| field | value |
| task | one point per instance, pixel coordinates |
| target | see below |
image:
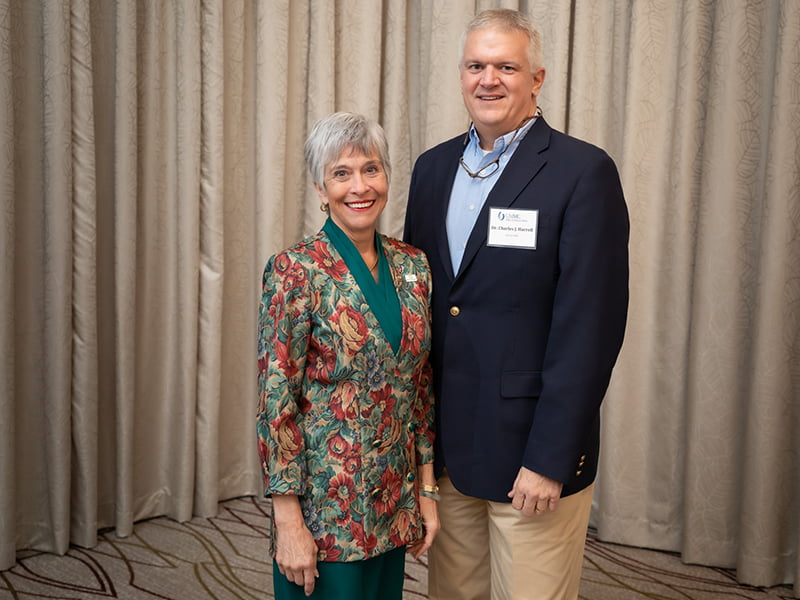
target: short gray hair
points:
(332, 134)
(505, 19)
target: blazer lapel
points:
(443, 188)
(402, 271)
(525, 164)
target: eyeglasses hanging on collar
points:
(491, 168)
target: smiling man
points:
(526, 231)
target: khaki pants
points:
(490, 551)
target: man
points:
(526, 231)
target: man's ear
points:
(538, 80)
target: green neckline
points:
(381, 296)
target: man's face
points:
(497, 85)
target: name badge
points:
(513, 228)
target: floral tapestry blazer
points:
(343, 420)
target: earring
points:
(323, 206)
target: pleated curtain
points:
(151, 161)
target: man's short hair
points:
(505, 19)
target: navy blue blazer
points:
(524, 340)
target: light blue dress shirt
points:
(469, 193)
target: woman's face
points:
(355, 190)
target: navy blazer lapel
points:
(444, 187)
(525, 164)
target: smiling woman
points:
(354, 191)
(348, 158)
(345, 418)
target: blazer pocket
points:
(521, 384)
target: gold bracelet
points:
(430, 491)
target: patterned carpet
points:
(225, 558)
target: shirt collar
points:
(501, 142)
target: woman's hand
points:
(296, 552)
(429, 509)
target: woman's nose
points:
(358, 183)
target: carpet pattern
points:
(225, 558)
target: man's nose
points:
(489, 76)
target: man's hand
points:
(534, 494)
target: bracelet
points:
(430, 491)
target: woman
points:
(345, 418)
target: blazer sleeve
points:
(284, 328)
(424, 411)
(588, 319)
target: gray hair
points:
(332, 134)
(505, 19)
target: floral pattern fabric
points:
(343, 420)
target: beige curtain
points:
(151, 161)
(702, 437)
